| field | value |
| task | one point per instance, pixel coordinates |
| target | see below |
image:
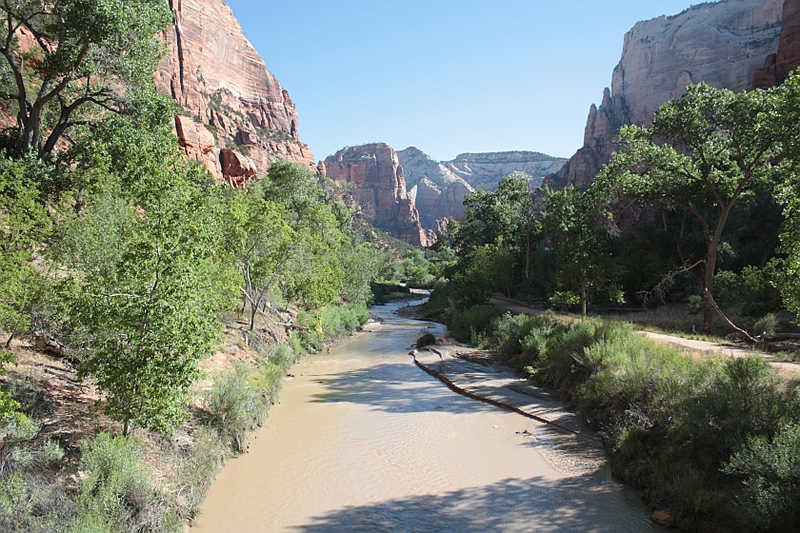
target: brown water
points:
(363, 440)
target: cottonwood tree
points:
(68, 61)
(570, 218)
(143, 264)
(786, 123)
(260, 242)
(494, 242)
(24, 223)
(703, 153)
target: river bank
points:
(363, 440)
(75, 470)
(696, 432)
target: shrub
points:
(426, 340)
(770, 472)
(234, 406)
(195, 471)
(695, 304)
(765, 325)
(743, 399)
(29, 502)
(117, 493)
(478, 318)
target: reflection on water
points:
(362, 440)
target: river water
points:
(363, 440)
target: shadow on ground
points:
(580, 504)
(390, 387)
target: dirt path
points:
(786, 369)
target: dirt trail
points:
(786, 369)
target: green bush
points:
(195, 470)
(765, 325)
(770, 472)
(426, 340)
(29, 502)
(695, 304)
(234, 406)
(117, 492)
(478, 318)
(743, 399)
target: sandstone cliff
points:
(485, 170)
(436, 191)
(380, 189)
(777, 66)
(721, 43)
(238, 119)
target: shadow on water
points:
(574, 504)
(394, 388)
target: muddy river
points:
(363, 440)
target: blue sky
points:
(446, 76)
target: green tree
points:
(142, 255)
(260, 242)
(314, 273)
(79, 58)
(500, 223)
(786, 122)
(585, 266)
(24, 224)
(703, 152)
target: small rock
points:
(663, 518)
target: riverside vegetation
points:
(132, 266)
(701, 208)
(130, 262)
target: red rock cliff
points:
(380, 189)
(777, 66)
(721, 43)
(238, 119)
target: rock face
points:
(412, 197)
(777, 66)
(437, 192)
(380, 189)
(232, 101)
(485, 170)
(720, 43)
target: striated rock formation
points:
(411, 196)
(485, 170)
(380, 189)
(233, 102)
(436, 191)
(721, 43)
(777, 66)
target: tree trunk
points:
(528, 257)
(583, 299)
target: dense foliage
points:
(700, 207)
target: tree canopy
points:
(67, 61)
(703, 153)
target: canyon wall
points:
(722, 44)
(777, 66)
(437, 192)
(485, 170)
(380, 190)
(236, 119)
(412, 197)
